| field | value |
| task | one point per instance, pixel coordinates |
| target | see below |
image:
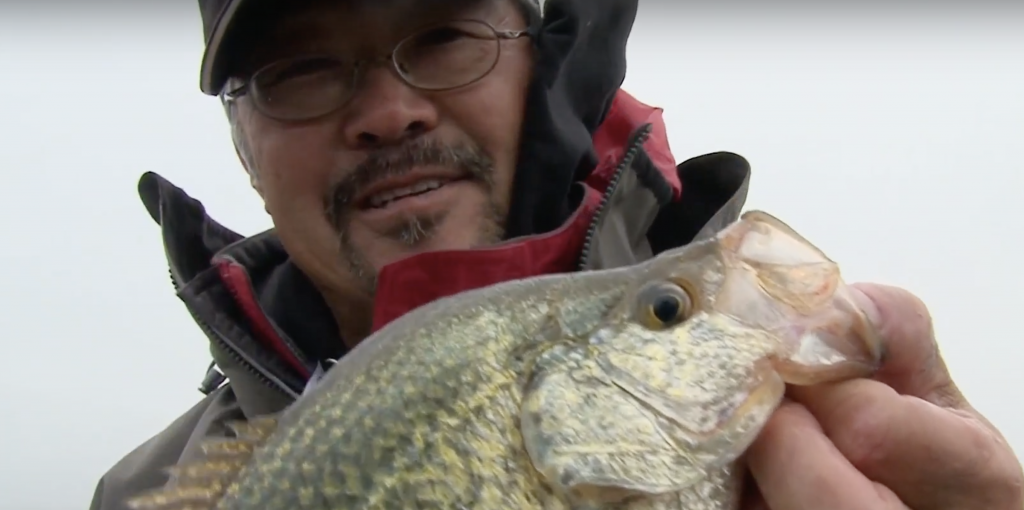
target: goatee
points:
(469, 159)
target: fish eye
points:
(664, 305)
(666, 308)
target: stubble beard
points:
(416, 230)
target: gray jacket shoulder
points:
(145, 467)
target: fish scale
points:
(636, 388)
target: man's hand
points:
(907, 439)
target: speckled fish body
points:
(637, 388)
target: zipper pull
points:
(213, 379)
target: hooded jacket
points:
(596, 187)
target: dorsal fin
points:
(199, 485)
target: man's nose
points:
(386, 111)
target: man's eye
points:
(439, 36)
(299, 69)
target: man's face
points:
(396, 170)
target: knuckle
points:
(915, 317)
(1007, 481)
(991, 459)
(1012, 495)
(866, 438)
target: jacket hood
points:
(580, 66)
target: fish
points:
(632, 388)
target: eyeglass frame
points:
(235, 94)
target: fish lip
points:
(415, 176)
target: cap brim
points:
(211, 75)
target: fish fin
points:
(199, 484)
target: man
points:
(410, 149)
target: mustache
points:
(468, 158)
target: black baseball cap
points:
(217, 19)
(219, 16)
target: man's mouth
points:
(389, 191)
(387, 197)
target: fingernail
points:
(866, 305)
(869, 308)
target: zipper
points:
(292, 350)
(260, 374)
(637, 142)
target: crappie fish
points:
(635, 388)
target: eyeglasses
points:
(437, 58)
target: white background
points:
(891, 139)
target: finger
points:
(913, 364)
(754, 502)
(931, 457)
(797, 468)
(752, 499)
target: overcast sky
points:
(891, 139)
